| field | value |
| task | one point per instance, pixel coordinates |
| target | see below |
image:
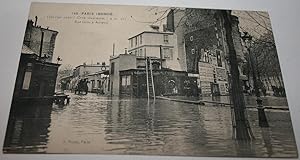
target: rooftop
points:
(153, 32)
(26, 50)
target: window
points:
(141, 52)
(191, 38)
(193, 51)
(136, 41)
(93, 83)
(166, 38)
(219, 59)
(168, 53)
(27, 77)
(112, 69)
(131, 42)
(126, 81)
(141, 39)
(205, 56)
(123, 83)
(26, 81)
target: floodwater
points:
(105, 125)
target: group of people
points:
(81, 87)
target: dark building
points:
(36, 77)
(128, 77)
(166, 82)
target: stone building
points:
(202, 47)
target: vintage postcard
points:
(149, 80)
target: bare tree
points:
(242, 128)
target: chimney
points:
(35, 22)
(125, 50)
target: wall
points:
(175, 24)
(151, 42)
(42, 80)
(33, 37)
(122, 62)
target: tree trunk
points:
(242, 129)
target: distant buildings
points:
(85, 69)
(95, 74)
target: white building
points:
(161, 45)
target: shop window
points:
(26, 81)
(27, 77)
(126, 81)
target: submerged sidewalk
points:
(270, 102)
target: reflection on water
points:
(97, 124)
(27, 128)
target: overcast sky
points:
(77, 43)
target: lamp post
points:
(262, 119)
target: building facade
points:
(40, 40)
(35, 78)
(202, 43)
(96, 75)
(98, 82)
(128, 77)
(162, 45)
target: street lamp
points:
(262, 119)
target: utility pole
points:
(113, 49)
(160, 56)
(262, 119)
(242, 128)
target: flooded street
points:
(99, 124)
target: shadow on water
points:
(27, 129)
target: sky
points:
(79, 42)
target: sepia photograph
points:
(149, 80)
